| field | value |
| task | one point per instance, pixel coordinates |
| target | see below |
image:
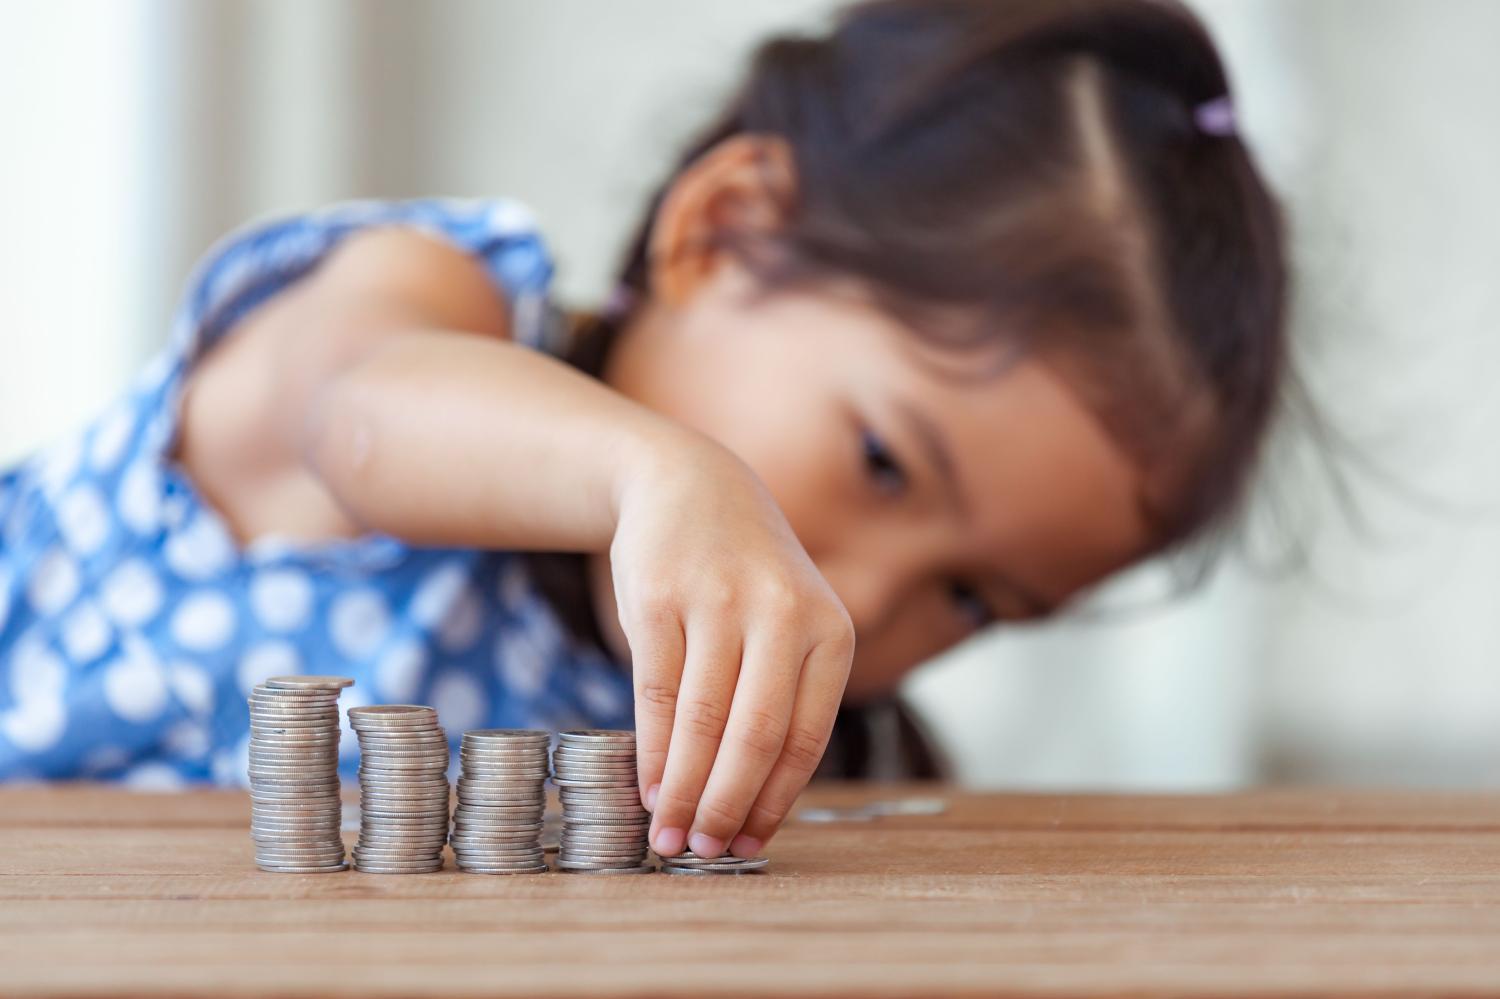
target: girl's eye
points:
(881, 465)
(970, 604)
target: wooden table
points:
(1288, 892)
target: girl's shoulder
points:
(257, 261)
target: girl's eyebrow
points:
(939, 455)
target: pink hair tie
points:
(1215, 117)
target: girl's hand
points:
(739, 648)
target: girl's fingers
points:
(656, 650)
(758, 722)
(819, 691)
(711, 669)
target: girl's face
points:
(932, 504)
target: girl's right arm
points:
(416, 423)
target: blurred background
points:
(138, 131)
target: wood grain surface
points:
(1307, 892)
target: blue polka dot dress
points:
(132, 626)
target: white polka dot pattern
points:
(132, 624)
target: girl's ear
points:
(745, 184)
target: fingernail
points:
(651, 793)
(745, 846)
(669, 842)
(706, 846)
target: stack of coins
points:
(502, 793)
(403, 789)
(688, 862)
(604, 826)
(295, 810)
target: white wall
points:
(165, 122)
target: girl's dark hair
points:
(1030, 175)
(1022, 175)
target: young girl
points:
(953, 313)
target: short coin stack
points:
(295, 810)
(688, 862)
(502, 793)
(604, 826)
(403, 789)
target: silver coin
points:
(611, 857)
(503, 752)
(715, 869)
(492, 799)
(597, 736)
(414, 782)
(368, 854)
(371, 805)
(606, 771)
(588, 791)
(689, 859)
(392, 748)
(278, 792)
(297, 741)
(292, 771)
(479, 869)
(626, 788)
(568, 752)
(325, 839)
(498, 830)
(405, 797)
(501, 863)
(262, 699)
(576, 847)
(499, 811)
(413, 770)
(377, 817)
(527, 771)
(273, 811)
(293, 853)
(262, 731)
(302, 752)
(307, 838)
(509, 735)
(301, 682)
(508, 846)
(572, 868)
(275, 714)
(301, 868)
(603, 774)
(601, 831)
(268, 689)
(532, 791)
(374, 868)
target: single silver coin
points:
(304, 681)
(566, 867)
(301, 869)
(714, 870)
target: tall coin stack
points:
(295, 810)
(502, 793)
(605, 828)
(403, 789)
